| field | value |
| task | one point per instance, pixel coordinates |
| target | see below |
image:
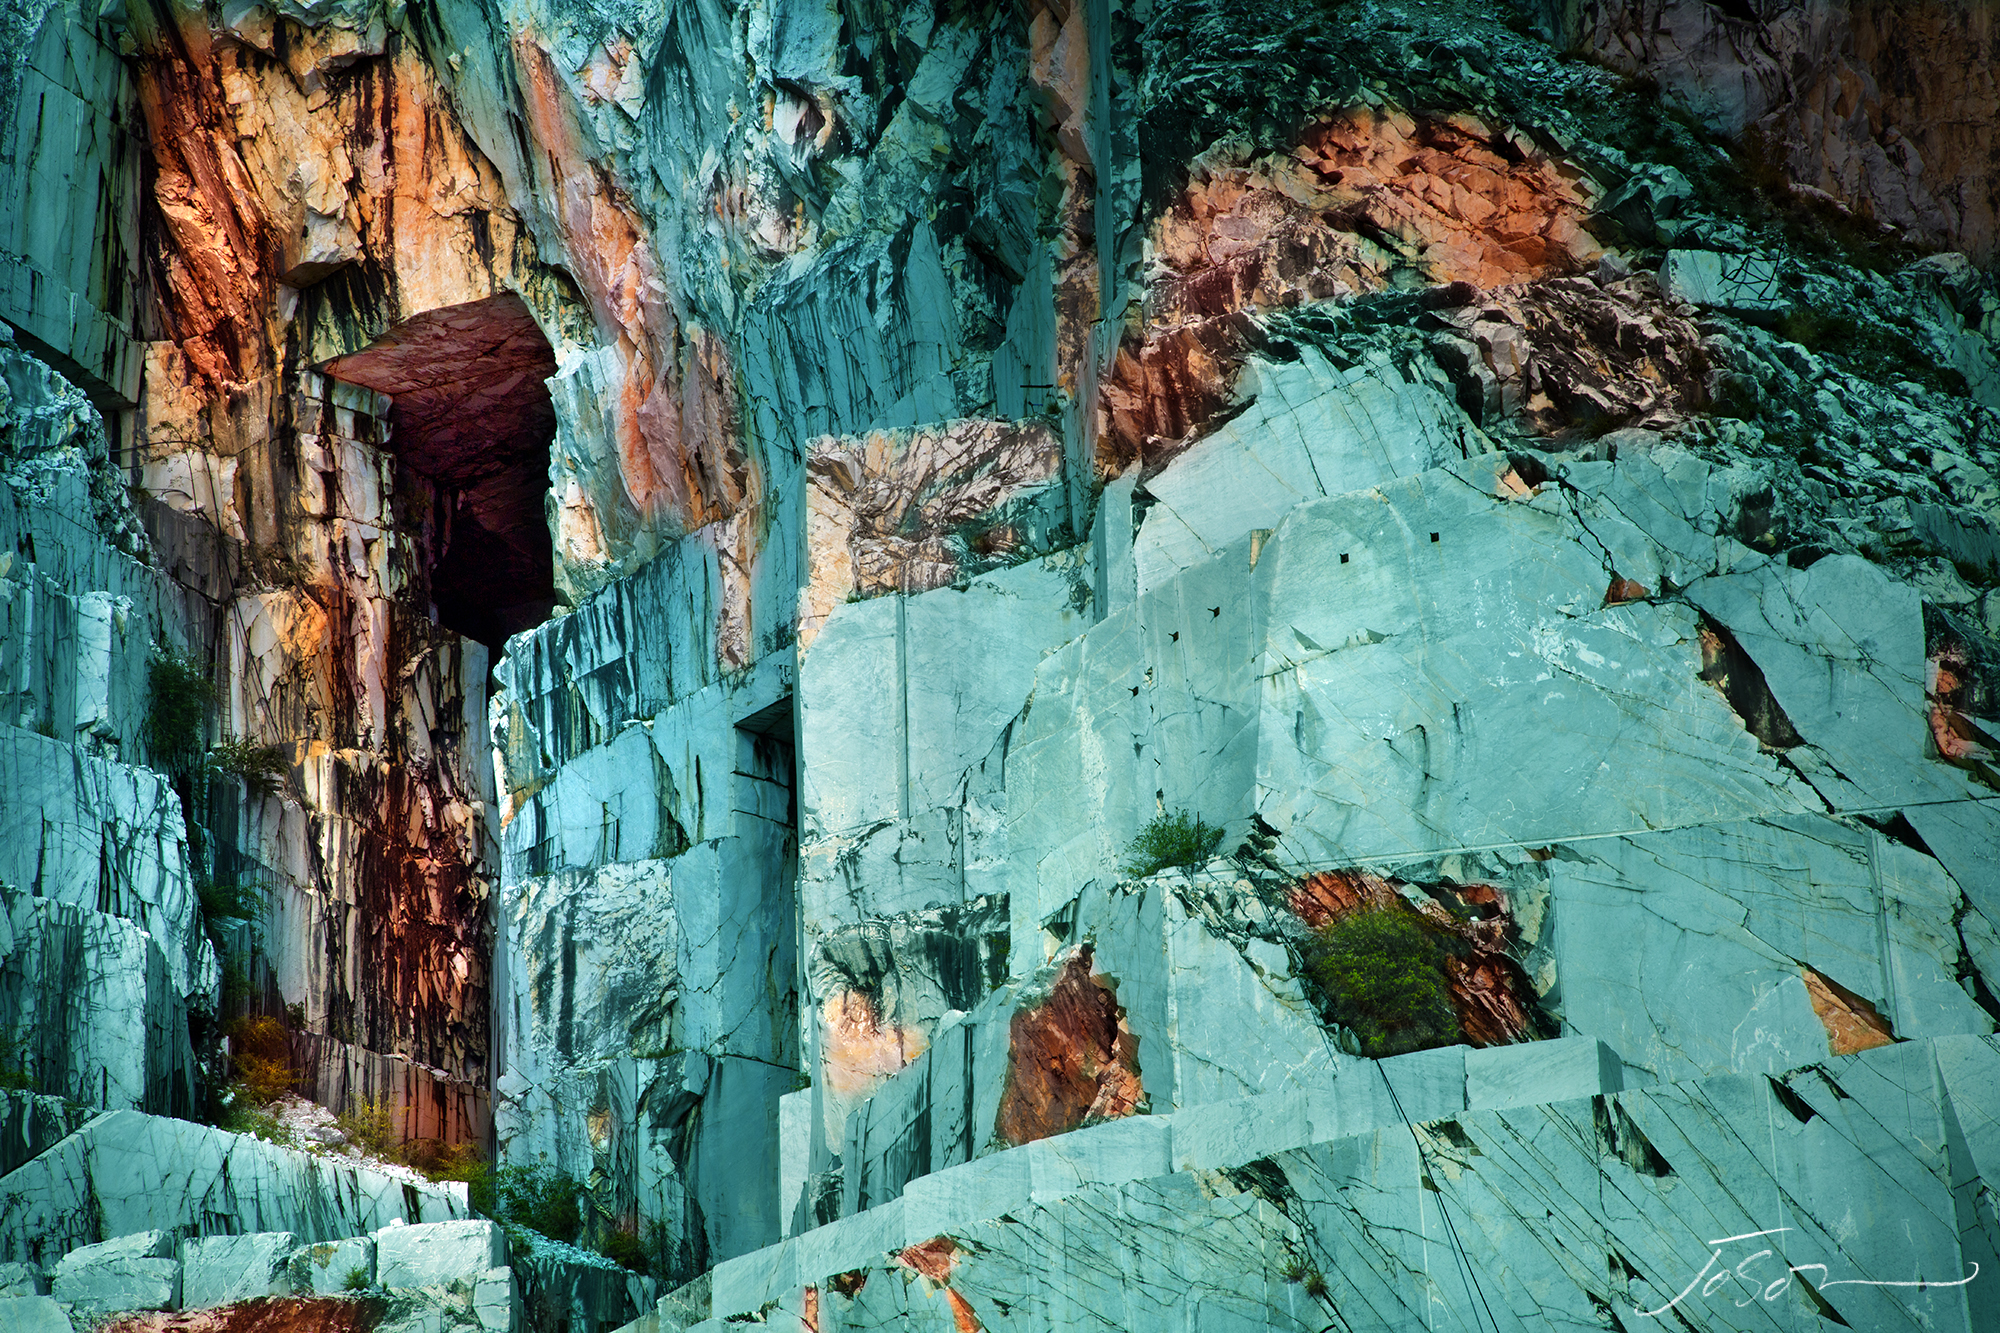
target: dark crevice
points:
(1726, 666)
(471, 426)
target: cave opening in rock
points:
(470, 426)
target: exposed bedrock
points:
(1885, 110)
(1057, 665)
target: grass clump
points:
(227, 898)
(1381, 974)
(245, 1118)
(1179, 839)
(357, 1278)
(14, 1057)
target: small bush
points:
(540, 1198)
(245, 1118)
(1171, 840)
(261, 1051)
(1381, 973)
(357, 1278)
(14, 1075)
(227, 898)
(625, 1249)
(180, 694)
(463, 1162)
(262, 767)
(370, 1125)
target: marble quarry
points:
(1129, 665)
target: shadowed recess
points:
(472, 421)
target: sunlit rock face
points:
(821, 620)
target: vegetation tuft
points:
(227, 898)
(357, 1278)
(1380, 973)
(261, 767)
(1178, 839)
(14, 1074)
(261, 1051)
(539, 1198)
(370, 1125)
(179, 696)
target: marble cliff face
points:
(756, 660)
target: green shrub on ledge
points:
(1178, 839)
(1381, 973)
(179, 695)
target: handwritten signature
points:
(1741, 1272)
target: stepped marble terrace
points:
(1120, 666)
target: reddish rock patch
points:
(1960, 740)
(1492, 996)
(935, 1259)
(1365, 194)
(859, 1050)
(1852, 1023)
(1624, 590)
(277, 1314)
(1071, 1059)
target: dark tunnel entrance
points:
(471, 426)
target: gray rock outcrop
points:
(1062, 665)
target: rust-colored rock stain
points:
(276, 1314)
(1366, 194)
(1852, 1023)
(1960, 740)
(1492, 996)
(1071, 1059)
(935, 1259)
(1623, 589)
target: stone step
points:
(1427, 1085)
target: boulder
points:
(133, 1272)
(222, 1270)
(32, 1314)
(496, 1300)
(23, 1280)
(325, 1269)
(435, 1254)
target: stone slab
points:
(1541, 1071)
(222, 1270)
(436, 1254)
(323, 1269)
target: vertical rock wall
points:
(1052, 520)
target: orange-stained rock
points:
(1959, 738)
(1071, 1060)
(1852, 1023)
(888, 511)
(1365, 195)
(1624, 590)
(935, 1259)
(857, 1049)
(275, 1314)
